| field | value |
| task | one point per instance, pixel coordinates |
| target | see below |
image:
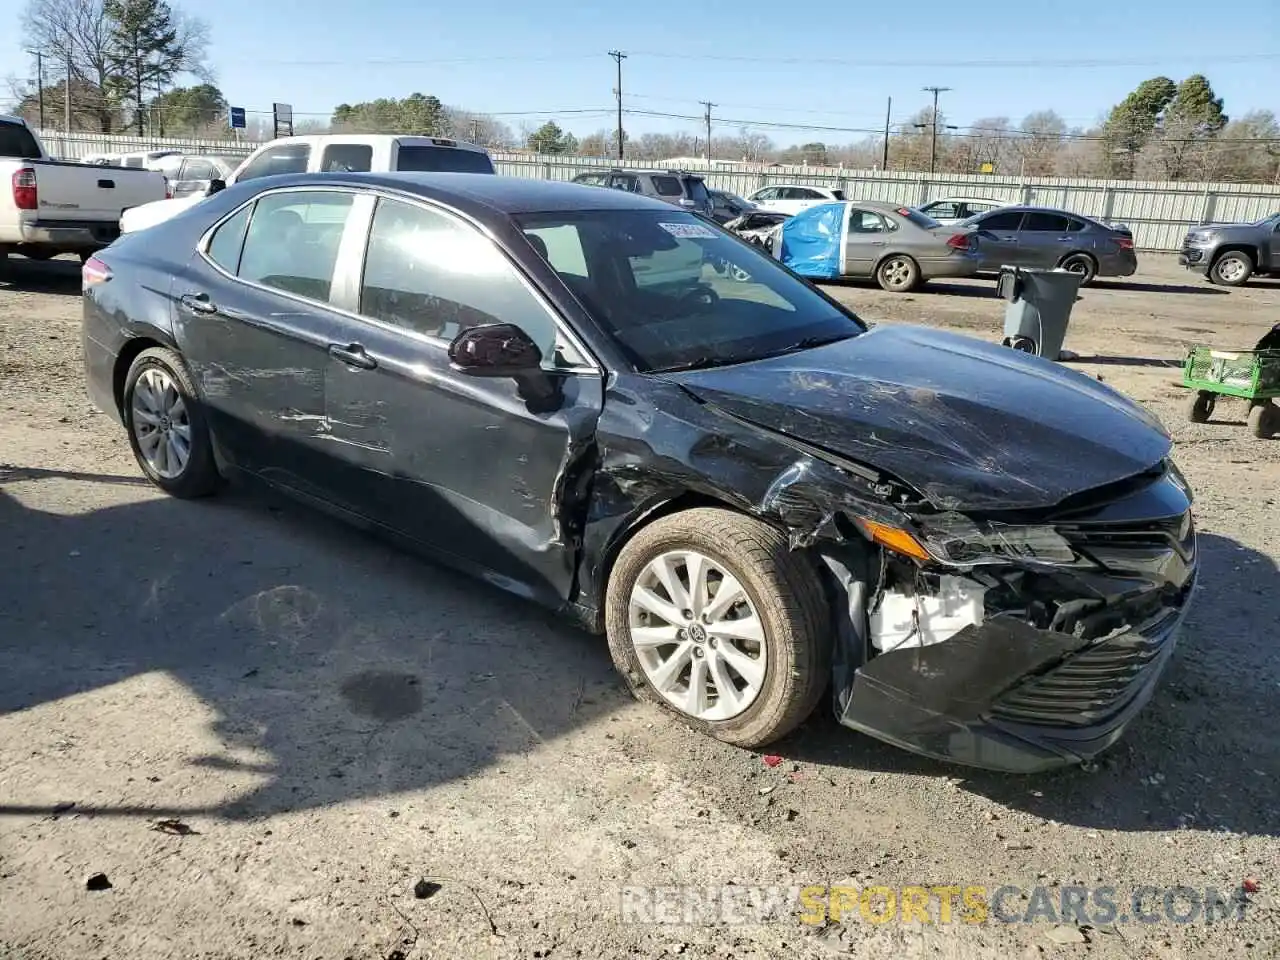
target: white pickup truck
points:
(50, 207)
(328, 153)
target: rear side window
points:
(915, 216)
(423, 159)
(944, 208)
(838, 194)
(1046, 223)
(197, 170)
(228, 241)
(667, 187)
(697, 189)
(274, 161)
(591, 179)
(347, 158)
(292, 241)
(16, 141)
(1002, 221)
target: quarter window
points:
(427, 272)
(347, 158)
(228, 241)
(292, 241)
(667, 187)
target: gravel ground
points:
(265, 729)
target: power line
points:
(991, 64)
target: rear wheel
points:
(712, 616)
(1264, 420)
(167, 427)
(1232, 269)
(1082, 264)
(898, 274)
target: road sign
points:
(988, 168)
(236, 118)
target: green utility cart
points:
(1249, 375)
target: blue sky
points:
(546, 58)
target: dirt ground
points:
(265, 729)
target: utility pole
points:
(933, 147)
(475, 130)
(619, 56)
(708, 104)
(888, 112)
(39, 82)
(67, 92)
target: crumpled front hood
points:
(971, 425)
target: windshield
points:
(16, 141)
(676, 292)
(424, 159)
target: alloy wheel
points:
(697, 635)
(161, 423)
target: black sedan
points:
(620, 410)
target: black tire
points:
(199, 476)
(1082, 264)
(1200, 406)
(1236, 264)
(1264, 420)
(898, 273)
(781, 584)
(1024, 345)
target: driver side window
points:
(427, 272)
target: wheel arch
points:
(129, 353)
(1079, 253)
(1247, 249)
(880, 261)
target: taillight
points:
(25, 195)
(168, 191)
(1124, 243)
(958, 241)
(94, 272)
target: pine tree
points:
(144, 51)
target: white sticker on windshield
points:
(688, 231)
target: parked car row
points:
(596, 399)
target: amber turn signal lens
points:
(895, 539)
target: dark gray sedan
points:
(1041, 237)
(754, 496)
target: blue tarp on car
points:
(811, 241)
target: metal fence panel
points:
(1158, 213)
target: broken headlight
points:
(960, 542)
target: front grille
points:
(1192, 255)
(1092, 685)
(1144, 549)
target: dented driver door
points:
(483, 470)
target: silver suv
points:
(676, 187)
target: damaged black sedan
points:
(620, 410)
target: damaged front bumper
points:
(1054, 661)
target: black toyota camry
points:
(616, 408)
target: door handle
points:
(198, 303)
(352, 354)
(878, 243)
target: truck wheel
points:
(1200, 406)
(1082, 264)
(1232, 269)
(712, 616)
(1264, 420)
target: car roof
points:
(484, 193)
(1002, 203)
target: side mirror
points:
(495, 350)
(215, 186)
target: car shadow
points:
(58, 277)
(1194, 758)
(938, 287)
(333, 665)
(1134, 286)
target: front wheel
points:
(1232, 269)
(711, 615)
(1200, 406)
(898, 274)
(167, 428)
